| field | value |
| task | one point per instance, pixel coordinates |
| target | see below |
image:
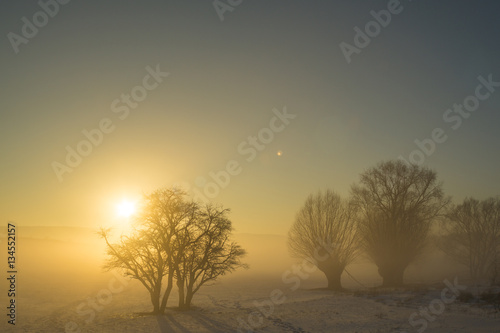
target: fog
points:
(61, 282)
(65, 264)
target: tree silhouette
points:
(473, 236)
(174, 238)
(141, 257)
(205, 252)
(324, 234)
(396, 205)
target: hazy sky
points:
(225, 78)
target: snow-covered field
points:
(61, 290)
(227, 307)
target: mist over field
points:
(66, 257)
(61, 280)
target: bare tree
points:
(146, 254)
(324, 234)
(205, 252)
(141, 257)
(168, 213)
(473, 236)
(175, 238)
(396, 205)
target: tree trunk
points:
(166, 294)
(180, 286)
(189, 295)
(392, 274)
(155, 300)
(333, 277)
(189, 298)
(333, 271)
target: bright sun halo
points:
(125, 208)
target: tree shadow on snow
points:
(168, 323)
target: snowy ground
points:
(229, 306)
(62, 289)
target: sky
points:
(275, 99)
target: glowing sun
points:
(125, 208)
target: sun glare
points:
(125, 208)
